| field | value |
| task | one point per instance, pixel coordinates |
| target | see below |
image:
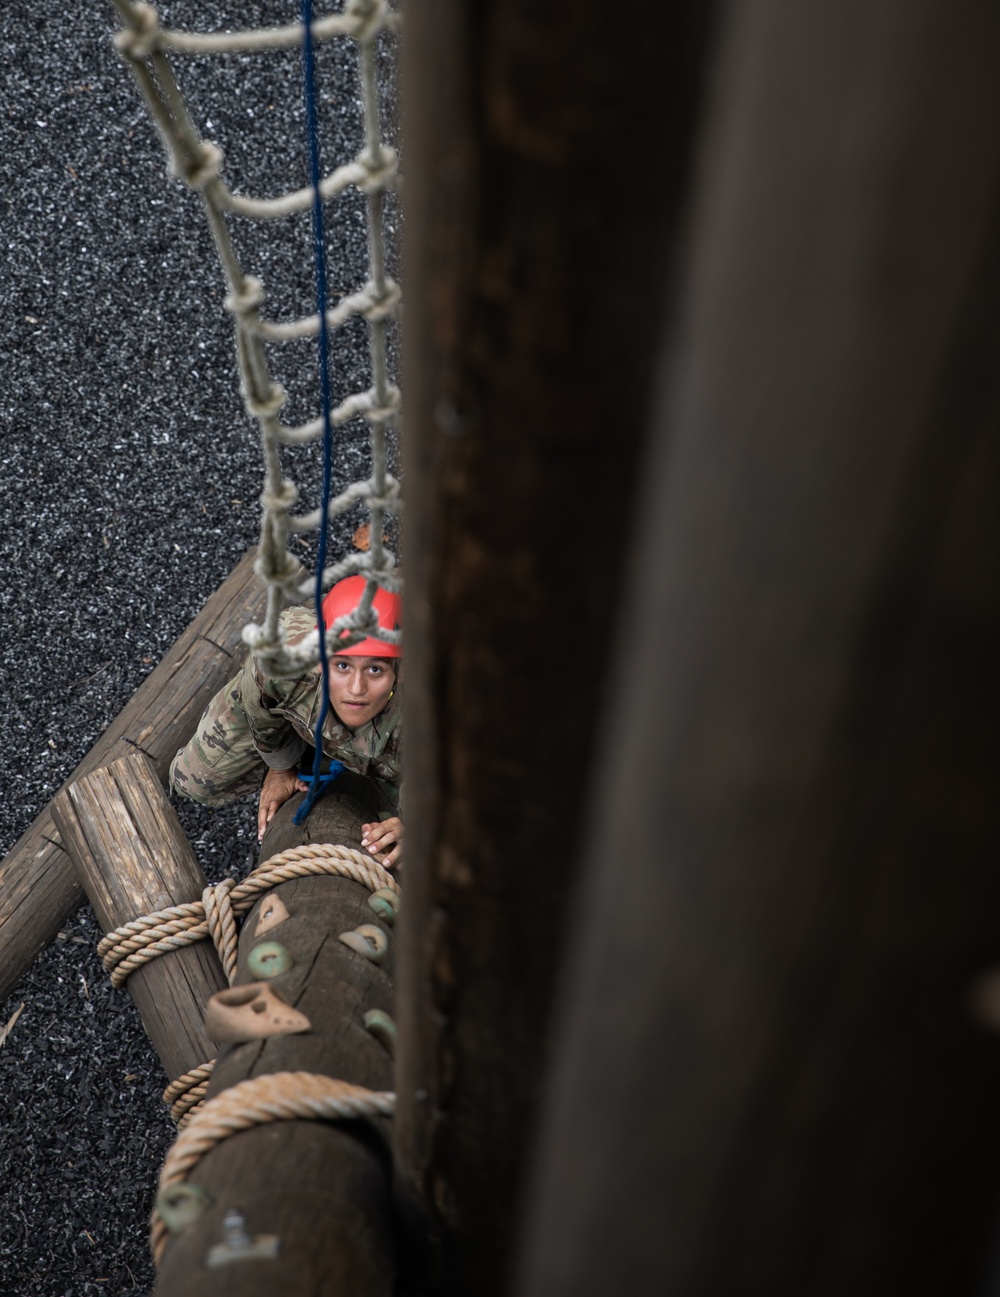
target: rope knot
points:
(368, 17)
(282, 499)
(247, 299)
(380, 306)
(377, 174)
(203, 168)
(366, 624)
(143, 37)
(266, 407)
(283, 571)
(389, 410)
(136, 943)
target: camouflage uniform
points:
(259, 721)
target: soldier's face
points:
(359, 687)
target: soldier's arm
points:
(274, 738)
(279, 785)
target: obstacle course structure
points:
(752, 826)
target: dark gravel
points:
(130, 478)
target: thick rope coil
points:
(136, 943)
(278, 1096)
(184, 1096)
(222, 924)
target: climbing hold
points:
(251, 1012)
(385, 903)
(368, 941)
(238, 1244)
(269, 959)
(382, 1028)
(180, 1204)
(272, 912)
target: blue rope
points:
(325, 779)
(317, 784)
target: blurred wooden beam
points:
(766, 1080)
(547, 160)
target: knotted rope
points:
(148, 48)
(134, 944)
(277, 1096)
(138, 942)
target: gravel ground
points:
(129, 490)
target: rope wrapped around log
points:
(136, 943)
(276, 1096)
(185, 1094)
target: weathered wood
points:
(38, 886)
(767, 1078)
(132, 857)
(547, 159)
(323, 1188)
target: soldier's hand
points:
(377, 838)
(278, 787)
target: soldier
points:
(260, 724)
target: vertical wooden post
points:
(132, 858)
(546, 159)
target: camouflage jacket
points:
(282, 715)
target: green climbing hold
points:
(368, 941)
(381, 1027)
(385, 903)
(179, 1204)
(269, 959)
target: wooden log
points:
(535, 300)
(38, 886)
(132, 857)
(324, 1189)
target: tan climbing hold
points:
(272, 912)
(251, 1012)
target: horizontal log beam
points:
(38, 885)
(132, 858)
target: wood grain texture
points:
(132, 858)
(324, 1188)
(535, 293)
(766, 1078)
(38, 886)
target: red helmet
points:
(345, 596)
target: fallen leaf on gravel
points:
(10, 1023)
(362, 538)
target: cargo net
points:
(146, 45)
